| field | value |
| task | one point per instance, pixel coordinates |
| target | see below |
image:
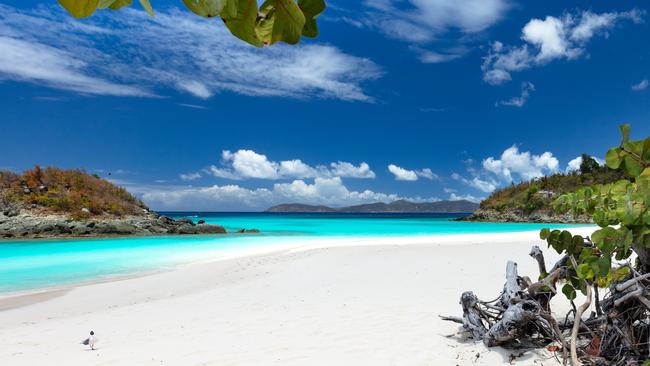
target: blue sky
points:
(416, 99)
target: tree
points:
(274, 21)
(588, 164)
(615, 257)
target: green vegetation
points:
(273, 21)
(537, 195)
(616, 256)
(621, 209)
(73, 192)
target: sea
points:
(35, 265)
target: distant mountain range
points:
(401, 206)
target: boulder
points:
(165, 220)
(198, 229)
(185, 220)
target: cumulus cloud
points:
(641, 85)
(526, 88)
(349, 170)
(523, 164)
(466, 197)
(401, 173)
(549, 39)
(483, 185)
(326, 191)
(245, 164)
(128, 53)
(411, 175)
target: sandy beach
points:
(358, 301)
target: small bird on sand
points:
(90, 341)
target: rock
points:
(165, 220)
(185, 220)
(85, 210)
(201, 222)
(199, 229)
(248, 231)
(12, 212)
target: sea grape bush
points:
(620, 209)
(274, 21)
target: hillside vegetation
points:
(72, 192)
(532, 200)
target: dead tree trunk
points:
(521, 313)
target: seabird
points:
(90, 341)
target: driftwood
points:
(616, 333)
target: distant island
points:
(52, 202)
(400, 206)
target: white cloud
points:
(411, 175)
(550, 39)
(249, 164)
(22, 60)
(401, 173)
(524, 164)
(486, 186)
(424, 19)
(244, 164)
(190, 176)
(447, 25)
(326, 191)
(428, 174)
(349, 170)
(526, 88)
(467, 197)
(128, 53)
(641, 85)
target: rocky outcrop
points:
(31, 224)
(519, 216)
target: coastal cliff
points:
(51, 202)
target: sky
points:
(396, 99)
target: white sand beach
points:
(334, 302)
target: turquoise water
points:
(34, 264)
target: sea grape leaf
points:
(544, 233)
(147, 6)
(585, 271)
(569, 291)
(80, 8)
(243, 24)
(206, 8)
(281, 21)
(311, 9)
(230, 9)
(625, 132)
(632, 166)
(613, 158)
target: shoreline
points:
(303, 244)
(353, 301)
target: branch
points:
(576, 321)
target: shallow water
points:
(34, 264)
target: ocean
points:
(38, 264)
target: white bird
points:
(90, 341)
